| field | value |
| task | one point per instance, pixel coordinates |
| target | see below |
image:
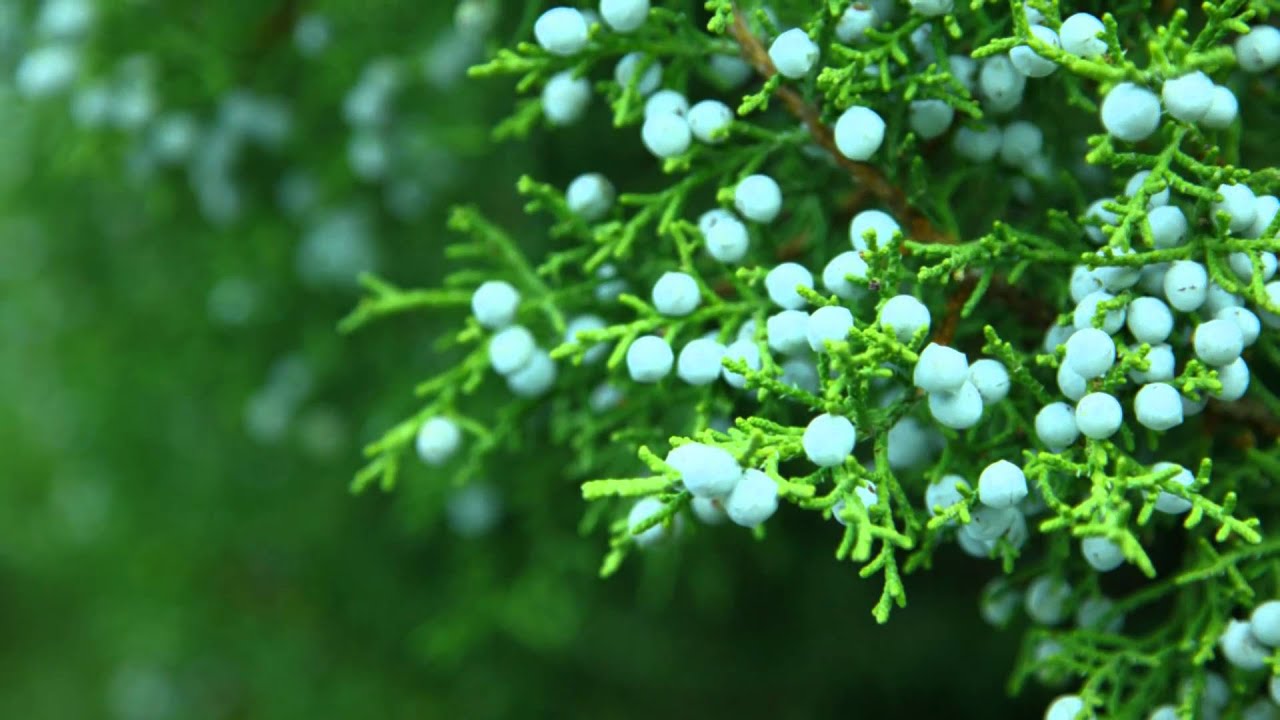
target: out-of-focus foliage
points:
(179, 417)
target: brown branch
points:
(865, 175)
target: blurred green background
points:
(179, 418)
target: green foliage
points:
(988, 248)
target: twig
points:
(865, 175)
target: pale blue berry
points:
(1241, 648)
(753, 500)
(708, 119)
(1070, 383)
(1080, 35)
(958, 410)
(1046, 599)
(700, 361)
(1259, 49)
(742, 351)
(828, 323)
(843, 266)
(438, 441)
(510, 349)
(666, 101)
(1188, 97)
(535, 378)
(1158, 406)
(1161, 365)
(940, 369)
(1240, 205)
(975, 145)
(706, 471)
(1264, 623)
(1248, 323)
(1149, 319)
(643, 510)
(943, 493)
(1218, 342)
(991, 379)
(628, 71)
(1090, 353)
(829, 440)
(793, 53)
(666, 135)
(859, 132)
(590, 196)
(1099, 415)
(758, 198)
(874, 225)
(624, 16)
(1186, 285)
(1056, 426)
(676, 294)
(904, 315)
(1002, 485)
(561, 31)
(787, 332)
(1130, 113)
(1087, 310)
(781, 284)
(649, 359)
(494, 304)
(1030, 63)
(1234, 377)
(1222, 111)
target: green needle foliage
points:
(988, 247)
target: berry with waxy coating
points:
(1056, 426)
(1188, 97)
(706, 471)
(753, 500)
(1186, 285)
(758, 198)
(494, 304)
(590, 196)
(859, 132)
(1030, 63)
(561, 31)
(665, 135)
(843, 266)
(1158, 406)
(643, 510)
(438, 440)
(1149, 319)
(781, 284)
(1259, 49)
(991, 379)
(1241, 648)
(707, 119)
(676, 294)
(1218, 342)
(649, 359)
(1099, 415)
(624, 16)
(830, 322)
(793, 53)
(1080, 35)
(905, 316)
(1002, 485)
(958, 410)
(829, 440)
(510, 348)
(1090, 353)
(1130, 112)
(699, 361)
(940, 369)
(874, 224)
(745, 351)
